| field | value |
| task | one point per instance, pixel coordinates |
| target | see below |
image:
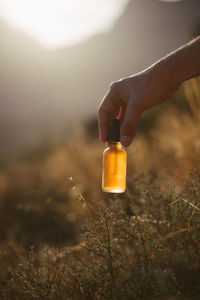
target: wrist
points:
(164, 71)
(180, 65)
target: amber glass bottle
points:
(114, 162)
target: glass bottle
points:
(114, 162)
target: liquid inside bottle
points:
(114, 162)
(114, 168)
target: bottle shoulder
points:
(120, 150)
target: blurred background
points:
(58, 58)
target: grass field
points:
(61, 237)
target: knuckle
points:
(114, 85)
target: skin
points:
(129, 97)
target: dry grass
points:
(62, 238)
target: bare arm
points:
(129, 97)
(184, 63)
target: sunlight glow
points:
(61, 22)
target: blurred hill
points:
(43, 91)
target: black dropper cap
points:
(114, 133)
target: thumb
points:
(128, 127)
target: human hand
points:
(128, 98)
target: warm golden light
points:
(114, 169)
(57, 22)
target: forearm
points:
(180, 65)
(131, 96)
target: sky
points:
(57, 23)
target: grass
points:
(62, 238)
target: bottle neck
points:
(114, 145)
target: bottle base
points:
(113, 190)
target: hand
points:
(129, 97)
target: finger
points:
(128, 127)
(108, 110)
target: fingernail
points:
(125, 140)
